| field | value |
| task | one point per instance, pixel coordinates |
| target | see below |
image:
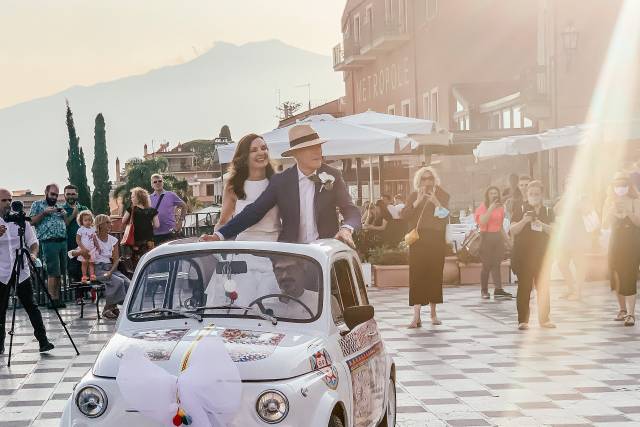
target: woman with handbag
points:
(426, 213)
(140, 220)
(490, 220)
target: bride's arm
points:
(228, 206)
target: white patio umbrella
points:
(508, 146)
(390, 122)
(343, 139)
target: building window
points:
(425, 106)
(388, 10)
(405, 106)
(435, 110)
(517, 117)
(391, 109)
(368, 15)
(356, 28)
(431, 7)
(506, 119)
(494, 120)
(210, 190)
(528, 123)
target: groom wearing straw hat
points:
(308, 196)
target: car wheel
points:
(335, 421)
(389, 419)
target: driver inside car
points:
(293, 280)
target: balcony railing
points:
(338, 55)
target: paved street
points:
(476, 369)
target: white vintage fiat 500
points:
(294, 319)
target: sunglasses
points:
(5, 200)
(157, 182)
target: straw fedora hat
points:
(302, 136)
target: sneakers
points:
(485, 295)
(523, 326)
(46, 346)
(501, 293)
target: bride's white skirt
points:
(260, 236)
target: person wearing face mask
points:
(531, 227)
(426, 212)
(49, 220)
(621, 213)
(250, 173)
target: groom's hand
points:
(344, 235)
(209, 238)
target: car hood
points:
(259, 355)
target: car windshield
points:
(266, 285)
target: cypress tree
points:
(76, 165)
(100, 170)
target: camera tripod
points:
(18, 267)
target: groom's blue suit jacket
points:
(283, 192)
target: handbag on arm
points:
(413, 236)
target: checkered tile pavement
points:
(476, 369)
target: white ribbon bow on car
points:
(207, 392)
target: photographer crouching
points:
(9, 242)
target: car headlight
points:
(91, 401)
(272, 406)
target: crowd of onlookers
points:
(516, 224)
(76, 245)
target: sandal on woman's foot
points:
(415, 324)
(436, 321)
(523, 326)
(622, 314)
(630, 320)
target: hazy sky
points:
(48, 45)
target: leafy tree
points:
(76, 165)
(288, 109)
(225, 133)
(100, 170)
(139, 175)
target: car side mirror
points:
(357, 315)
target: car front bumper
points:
(312, 410)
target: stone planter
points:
(451, 271)
(470, 273)
(390, 276)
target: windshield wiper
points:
(183, 313)
(260, 314)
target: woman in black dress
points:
(145, 219)
(426, 210)
(622, 214)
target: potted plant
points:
(390, 266)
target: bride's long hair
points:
(239, 167)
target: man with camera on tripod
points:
(9, 242)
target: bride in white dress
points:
(249, 175)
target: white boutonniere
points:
(326, 180)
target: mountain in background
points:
(229, 84)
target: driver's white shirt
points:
(293, 310)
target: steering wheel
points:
(258, 302)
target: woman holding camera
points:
(622, 213)
(426, 212)
(531, 227)
(490, 220)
